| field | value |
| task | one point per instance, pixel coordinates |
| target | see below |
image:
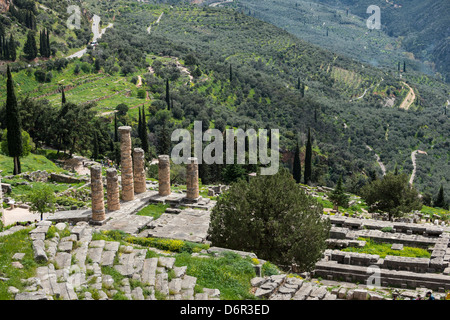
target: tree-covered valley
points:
(228, 69)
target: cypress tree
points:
(63, 96)
(145, 145)
(297, 166)
(12, 54)
(404, 66)
(308, 159)
(168, 94)
(116, 131)
(140, 124)
(30, 48)
(47, 45)
(13, 125)
(95, 151)
(440, 201)
(338, 196)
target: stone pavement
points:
(80, 268)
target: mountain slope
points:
(345, 102)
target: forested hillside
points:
(228, 69)
(415, 31)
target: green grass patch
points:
(384, 249)
(10, 245)
(32, 162)
(430, 211)
(153, 210)
(230, 273)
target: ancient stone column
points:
(97, 196)
(112, 189)
(192, 179)
(164, 175)
(126, 163)
(139, 170)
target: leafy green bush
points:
(269, 269)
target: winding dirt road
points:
(409, 100)
(383, 168)
(413, 159)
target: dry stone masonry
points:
(76, 265)
(126, 164)
(112, 189)
(98, 205)
(139, 170)
(164, 175)
(192, 193)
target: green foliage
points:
(27, 144)
(153, 210)
(42, 199)
(338, 196)
(272, 217)
(384, 249)
(16, 242)
(230, 273)
(392, 195)
(269, 269)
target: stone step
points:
(331, 270)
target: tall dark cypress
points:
(297, 166)
(13, 125)
(168, 94)
(30, 48)
(404, 66)
(63, 96)
(140, 124)
(12, 50)
(440, 201)
(47, 45)
(145, 145)
(308, 159)
(95, 151)
(116, 131)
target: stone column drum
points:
(126, 163)
(192, 179)
(164, 175)
(112, 189)
(139, 170)
(98, 203)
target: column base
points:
(97, 223)
(195, 200)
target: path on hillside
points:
(97, 35)
(409, 100)
(149, 29)
(365, 91)
(215, 4)
(383, 168)
(413, 158)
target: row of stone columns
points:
(133, 178)
(192, 190)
